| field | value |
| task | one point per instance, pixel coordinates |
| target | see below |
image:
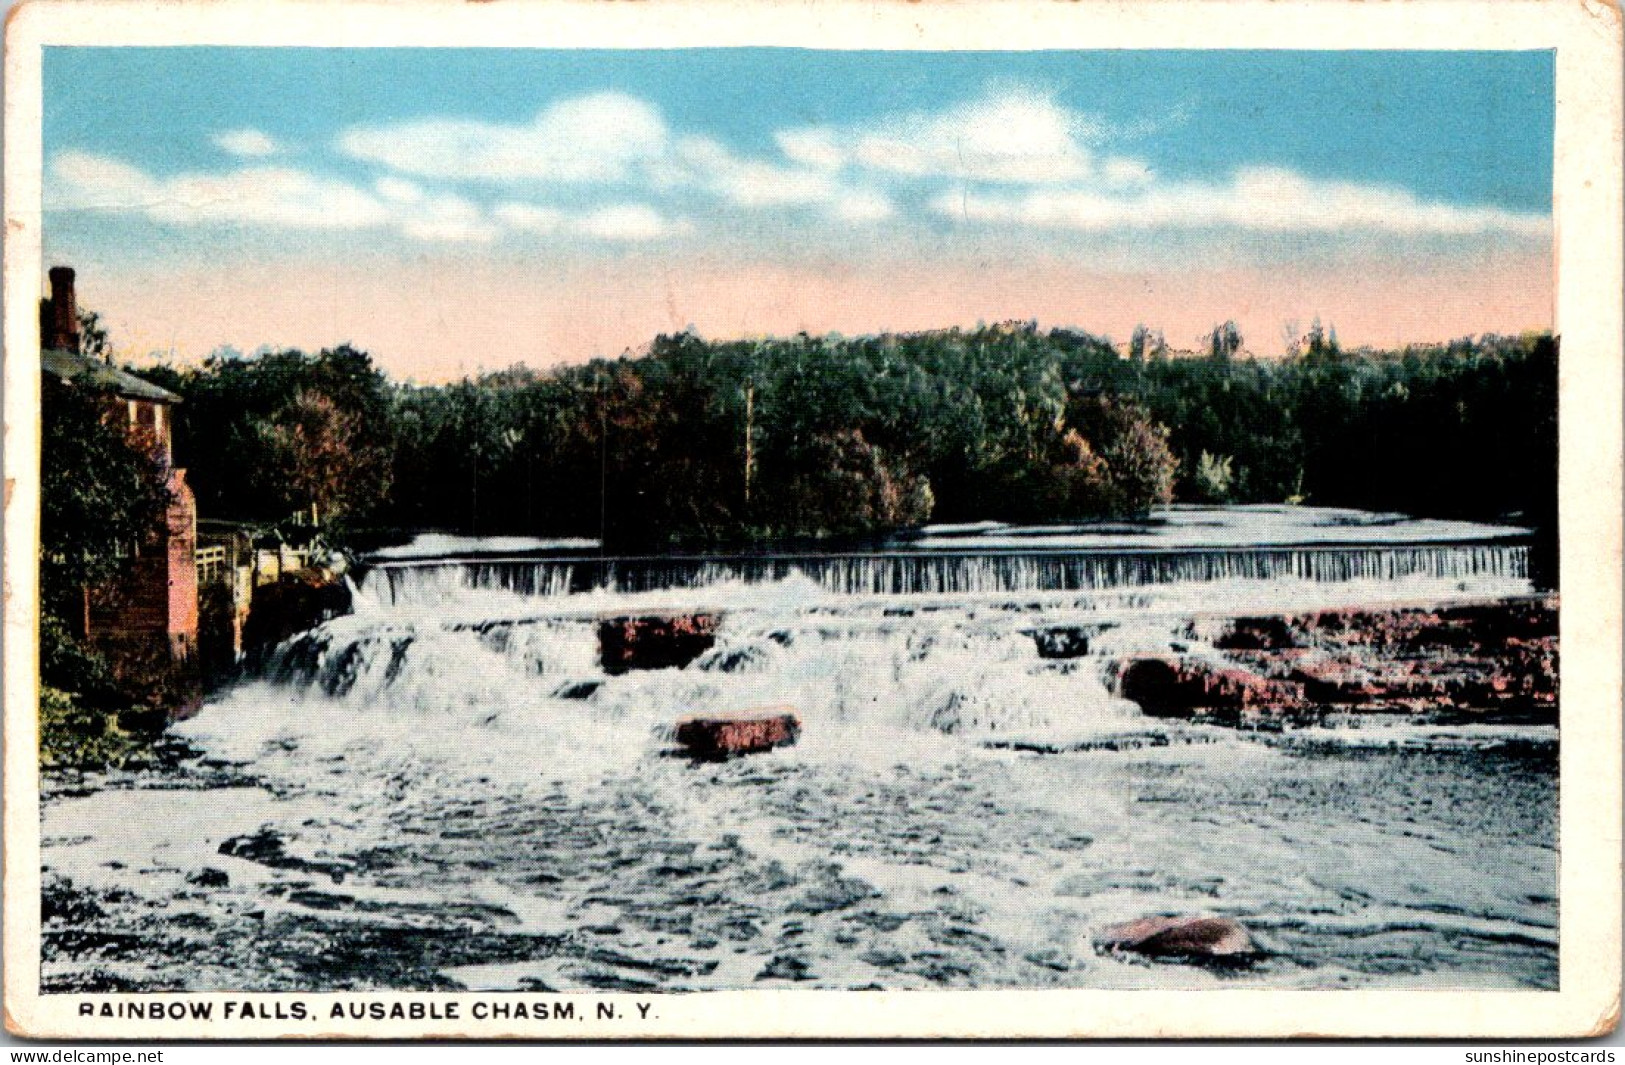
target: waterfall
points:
(426, 583)
(912, 641)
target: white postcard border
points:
(1587, 189)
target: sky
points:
(452, 210)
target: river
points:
(445, 790)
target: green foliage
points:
(67, 665)
(844, 485)
(80, 704)
(103, 498)
(83, 698)
(1139, 466)
(321, 456)
(93, 340)
(246, 421)
(1214, 475)
(101, 492)
(1071, 482)
(1224, 342)
(76, 735)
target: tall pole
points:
(603, 474)
(750, 437)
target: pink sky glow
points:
(434, 321)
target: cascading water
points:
(947, 574)
(1180, 545)
(446, 788)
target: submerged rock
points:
(1066, 642)
(268, 847)
(785, 967)
(209, 877)
(657, 642)
(746, 732)
(1181, 938)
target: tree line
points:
(705, 443)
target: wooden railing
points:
(211, 563)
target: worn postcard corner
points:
(726, 520)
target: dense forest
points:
(703, 442)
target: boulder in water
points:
(1181, 938)
(745, 732)
(657, 642)
(1173, 687)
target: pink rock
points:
(1180, 937)
(1172, 687)
(656, 642)
(745, 732)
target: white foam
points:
(441, 545)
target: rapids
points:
(445, 789)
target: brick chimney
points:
(59, 315)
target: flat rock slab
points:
(732, 735)
(654, 642)
(1186, 938)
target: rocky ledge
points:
(1491, 662)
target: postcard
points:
(566, 520)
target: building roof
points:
(66, 366)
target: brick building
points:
(155, 606)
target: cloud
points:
(264, 195)
(80, 181)
(623, 223)
(249, 143)
(862, 205)
(279, 197)
(759, 184)
(815, 147)
(444, 217)
(604, 136)
(1012, 135)
(613, 138)
(627, 222)
(1013, 157)
(276, 197)
(1122, 172)
(751, 182)
(1258, 199)
(529, 218)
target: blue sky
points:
(176, 158)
